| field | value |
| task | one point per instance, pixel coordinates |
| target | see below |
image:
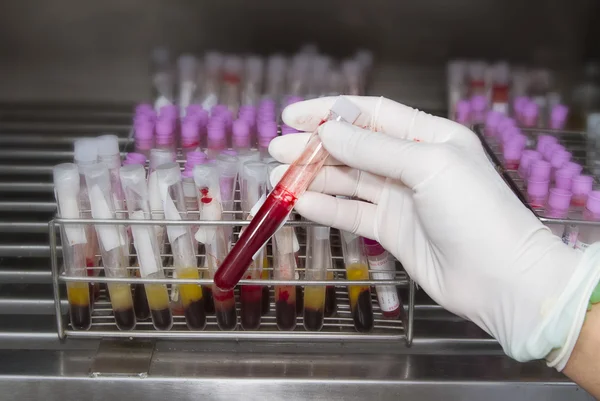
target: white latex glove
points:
(429, 195)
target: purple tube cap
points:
(144, 109)
(144, 131)
(538, 187)
(582, 184)
(190, 129)
(513, 150)
(267, 129)
(463, 107)
(558, 116)
(240, 128)
(559, 199)
(575, 167)
(169, 110)
(492, 119)
(559, 158)
(593, 202)
(531, 109)
(540, 170)
(478, 103)
(135, 158)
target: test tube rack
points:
(585, 152)
(338, 328)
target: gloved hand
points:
(426, 191)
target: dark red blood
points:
(206, 200)
(204, 191)
(284, 295)
(231, 78)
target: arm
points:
(584, 365)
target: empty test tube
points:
(115, 257)
(133, 178)
(215, 242)
(74, 242)
(318, 263)
(180, 238)
(355, 262)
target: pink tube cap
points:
(560, 158)
(564, 178)
(538, 187)
(582, 185)
(593, 202)
(540, 170)
(240, 128)
(559, 199)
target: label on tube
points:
(143, 245)
(387, 295)
(69, 209)
(109, 234)
(171, 213)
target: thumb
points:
(375, 152)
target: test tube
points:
(284, 268)
(133, 178)
(108, 153)
(558, 208)
(180, 238)
(383, 268)
(581, 186)
(318, 263)
(588, 234)
(216, 139)
(112, 245)
(240, 139)
(66, 191)
(253, 188)
(86, 154)
(206, 178)
(227, 167)
(355, 262)
(267, 131)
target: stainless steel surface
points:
(449, 358)
(122, 358)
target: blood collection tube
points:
(143, 134)
(563, 178)
(112, 245)
(383, 267)
(166, 127)
(463, 112)
(206, 178)
(492, 120)
(284, 268)
(558, 160)
(512, 151)
(133, 178)
(537, 192)
(527, 158)
(230, 89)
(182, 247)
(74, 242)
(478, 109)
(543, 141)
(588, 234)
(108, 153)
(216, 139)
(253, 186)
(355, 262)
(240, 139)
(267, 130)
(188, 73)
(190, 135)
(227, 167)
(500, 87)
(558, 208)
(280, 201)
(318, 263)
(581, 187)
(86, 154)
(558, 116)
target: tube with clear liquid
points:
(115, 257)
(180, 237)
(318, 264)
(357, 268)
(74, 242)
(206, 178)
(135, 189)
(253, 187)
(280, 201)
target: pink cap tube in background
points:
(558, 116)
(512, 151)
(537, 191)
(478, 108)
(530, 114)
(145, 109)
(519, 104)
(190, 133)
(508, 133)
(539, 171)
(240, 138)
(527, 158)
(581, 186)
(564, 178)
(286, 130)
(492, 120)
(558, 203)
(560, 158)
(169, 111)
(575, 167)
(504, 124)
(550, 149)
(194, 109)
(218, 109)
(543, 141)
(593, 203)
(134, 158)
(463, 111)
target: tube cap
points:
(539, 170)
(216, 129)
(492, 119)
(558, 116)
(513, 149)
(559, 158)
(478, 103)
(144, 109)
(593, 202)
(527, 158)
(169, 111)
(135, 158)
(86, 150)
(267, 129)
(240, 128)
(538, 187)
(108, 145)
(559, 199)
(582, 185)
(543, 141)
(190, 129)
(575, 167)
(564, 178)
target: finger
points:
(382, 115)
(287, 148)
(341, 180)
(377, 153)
(349, 215)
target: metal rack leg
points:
(411, 312)
(55, 285)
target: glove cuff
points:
(555, 337)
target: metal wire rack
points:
(578, 143)
(338, 328)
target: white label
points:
(143, 245)
(209, 102)
(581, 245)
(287, 241)
(171, 213)
(189, 190)
(500, 107)
(387, 295)
(70, 210)
(109, 234)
